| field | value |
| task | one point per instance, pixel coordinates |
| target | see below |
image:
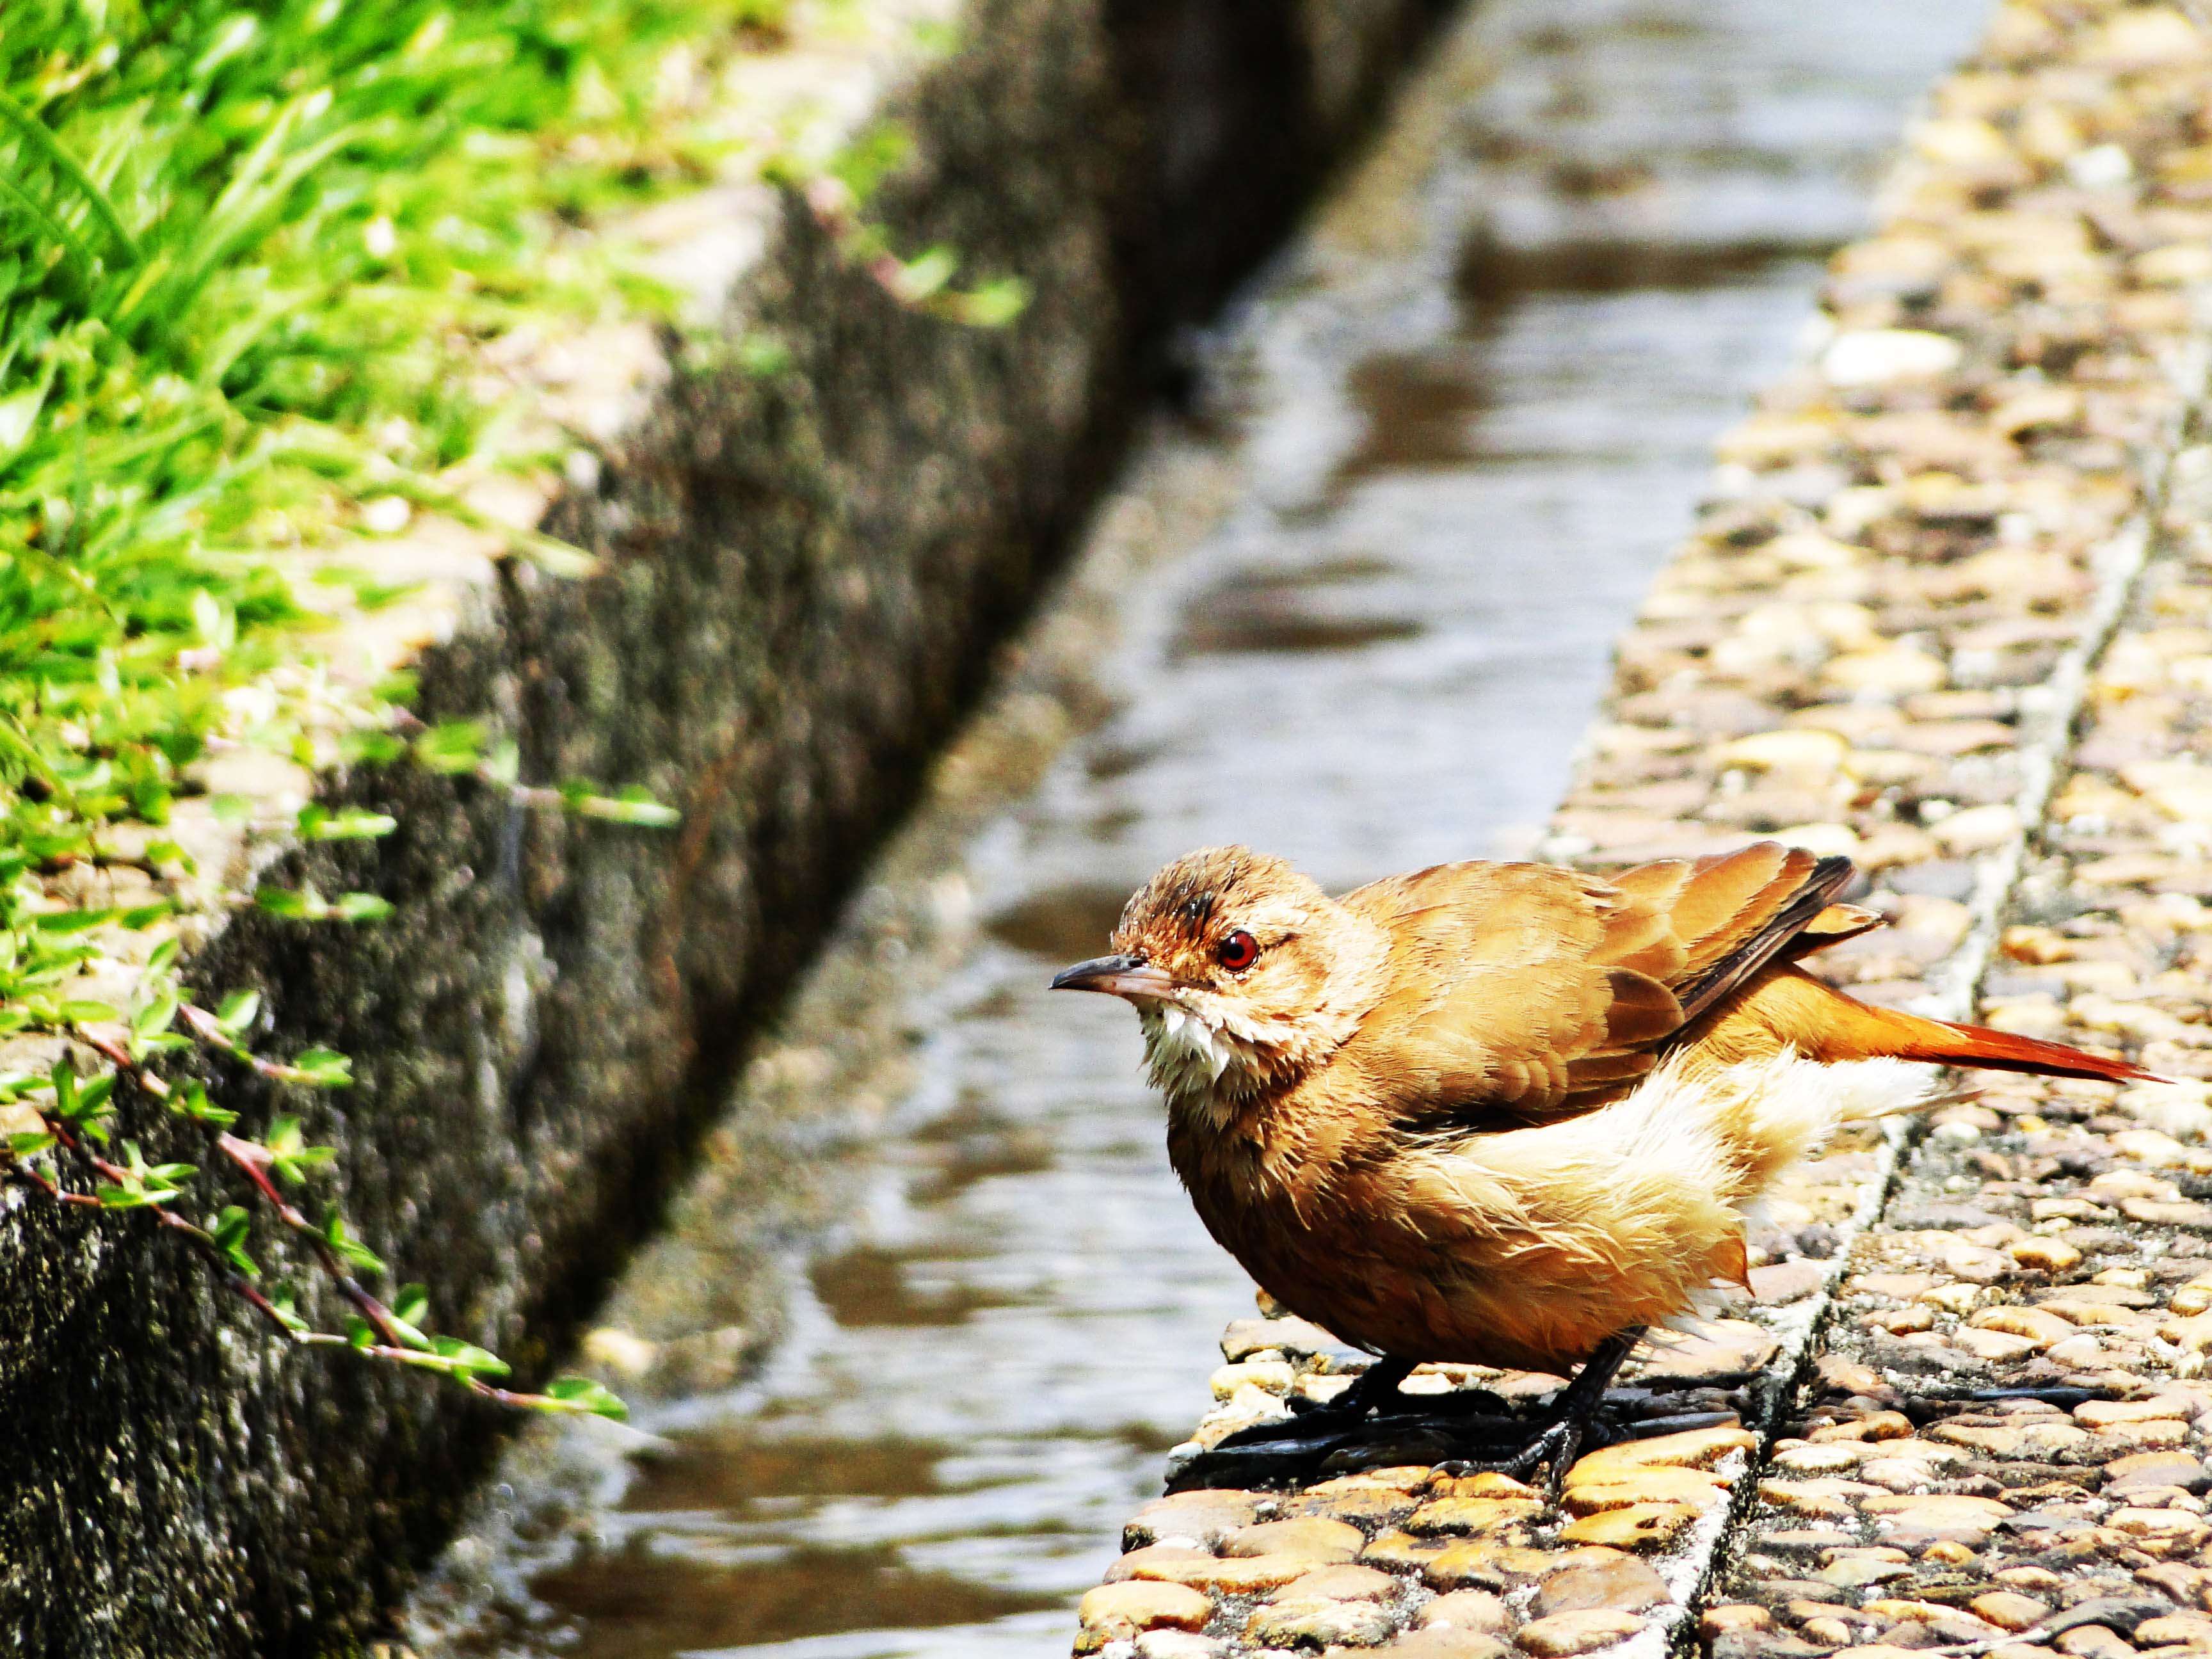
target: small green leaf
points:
(992, 305)
(282, 902)
(29, 1143)
(350, 1249)
(370, 747)
(289, 1156)
(286, 1308)
(237, 1011)
(927, 273)
(581, 1393)
(453, 746)
(232, 1230)
(156, 1016)
(320, 823)
(361, 907)
(192, 1101)
(407, 1314)
(72, 922)
(324, 1068)
(631, 806)
(467, 1359)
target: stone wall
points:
(804, 571)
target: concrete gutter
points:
(807, 555)
(1946, 611)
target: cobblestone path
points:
(1948, 608)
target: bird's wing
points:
(1521, 992)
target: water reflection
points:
(961, 1306)
(643, 1603)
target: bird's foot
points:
(1374, 1388)
(1557, 1446)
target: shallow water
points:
(913, 1344)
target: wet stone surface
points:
(1948, 610)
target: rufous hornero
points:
(1511, 1114)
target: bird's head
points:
(1244, 973)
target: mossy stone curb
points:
(802, 573)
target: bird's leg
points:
(1561, 1441)
(1373, 1388)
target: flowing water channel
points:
(913, 1343)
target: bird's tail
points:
(1901, 1035)
(1828, 1025)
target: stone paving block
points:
(1948, 610)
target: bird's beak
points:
(1121, 976)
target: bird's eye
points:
(1237, 951)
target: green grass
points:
(252, 260)
(242, 251)
(248, 255)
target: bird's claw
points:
(1558, 1446)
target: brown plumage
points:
(1503, 1113)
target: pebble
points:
(1466, 1609)
(1637, 1527)
(2108, 1413)
(1114, 1613)
(1203, 1516)
(2093, 1642)
(1378, 1507)
(1178, 1644)
(1472, 1515)
(1875, 356)
(1697, 1449)
(1660, 1484)
(1446, 1643)
(1233, 1576)
(1343, 1583)
(1318, 1622)
(1158, 1561)
(1310, 1539)
(1271, 1376)
(2008, 1609)
(2192, 1628)
(1855, 1572)
(1613, 1580)
(1483, 1565)
(2038, 1326)
(1392, 1550)
(2179, 1469)
(1565, 1634)
(1734, 1619)
(1288, 1336)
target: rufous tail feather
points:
(1948, 1044)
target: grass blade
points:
(55, 154)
